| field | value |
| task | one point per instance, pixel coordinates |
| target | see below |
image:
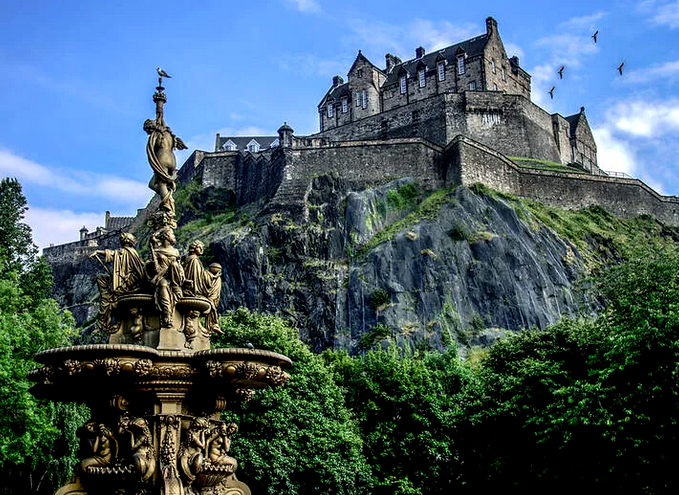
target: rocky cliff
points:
(452, 267)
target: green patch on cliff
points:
(427, 210)
(402, 198)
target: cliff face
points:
(427, 270)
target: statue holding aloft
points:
(156, 301)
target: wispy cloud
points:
(59, 226)
(306, 6)
(662, 12)
(645, 119)
(310, 65)
(401, 40)
(668, 71)
(570, 46)
(76, 182)
(614, 154)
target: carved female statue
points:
(168, 274)
(159, 150)
(104, 449)
(126, 277)
(193, 451)
(143, 458)
(219, 443)
(193, 268)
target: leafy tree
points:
(589, 403)
(37, 438)
(299, 438)
(405, 407)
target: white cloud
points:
(88, 184)
(667, 14)
(583, 22)
(313, 66)
(59, 226)
(645, 119)
(513, 49)
(668, 70)
(382, 37)
(614, 154)
(306, 6)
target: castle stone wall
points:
(362, 164)
(472, 162)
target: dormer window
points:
(345, 105)
(275, 143)
(364, 99)
(441, 71)
(229, 146)
(460, 64)
(330, 110)
(253, 146)
(404, 84)
(421, 78)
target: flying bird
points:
(561, 71)
(551, 92)
(162, 73)
(596, 33)
(620, 68)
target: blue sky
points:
(76, 80)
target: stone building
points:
(253, 144)
(471, 88)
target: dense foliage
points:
(299, 438)
(37, 438)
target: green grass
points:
(534, 163)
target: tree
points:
(37, 438)
(299, 438)
(405, 404)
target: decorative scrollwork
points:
(247, 370)
(276, 376)
(72, 366)
(244, 394)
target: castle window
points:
(503, 73)
(253, 146)
(492, 66)
(460, 64)
(359, 73)
(345, 105)
(472, 85)
(358, 98)
(329, 110)
(442, 71)
(420, 77)
(403, 84)
(494, 87)
(364, 99)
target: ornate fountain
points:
(156, 389)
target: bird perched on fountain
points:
(250, 346)
(162, 73)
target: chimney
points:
(419, 52)
(392, 61)
(107, 219)
(217, 143)
(337, 81)
(491, 26)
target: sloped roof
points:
(118, 223)
(242, 141)
(335, 92)
(472, 47)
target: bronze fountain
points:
(156, 389)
